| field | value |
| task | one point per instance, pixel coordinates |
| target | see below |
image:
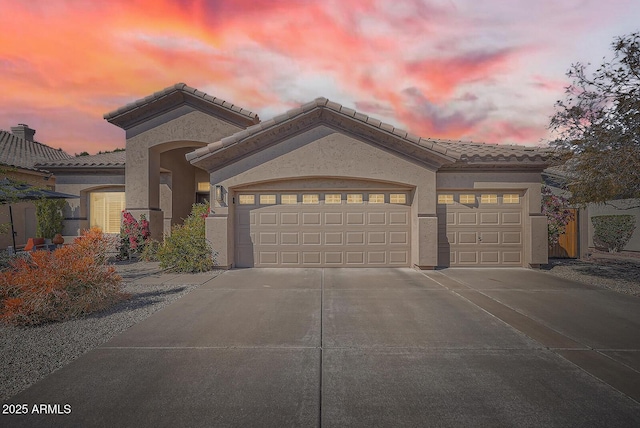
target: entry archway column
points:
(142, 181)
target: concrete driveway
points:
(370, 347)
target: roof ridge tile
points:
(182, 87)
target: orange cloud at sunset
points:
(442, 69)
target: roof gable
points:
(435, 152)
(321, 112)
(174, 96)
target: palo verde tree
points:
(597, 126)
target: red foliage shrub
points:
(62, 284)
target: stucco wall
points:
(600, 209)
(182, 186)
(175, 130)
(76, 211)
(324, 152)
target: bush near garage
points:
(187, 249)
(58, 285)
(613, 231)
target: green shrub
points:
(613, 231)
(150, 251)
(68, 282)
(49, 217)
(187, 249)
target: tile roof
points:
(21, 153)
(483, 152)
(457, 151)
(102, 160)
(185, 89)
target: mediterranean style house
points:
(321, 185)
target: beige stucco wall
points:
(76, 211)
(182, 186)
(324, 152)
(174, 131)
(529, 182)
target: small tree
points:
(598, 126)
(556, 208)
(613, 231)
(187, 248)
(49, 217)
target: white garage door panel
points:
(331, 235)
(481, 234)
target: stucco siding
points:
(338, 160)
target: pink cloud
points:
(427, 66)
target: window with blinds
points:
(105, 210)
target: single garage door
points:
(322, 229)
(480, 228)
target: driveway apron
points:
(362, 347)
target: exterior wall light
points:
(218, 193)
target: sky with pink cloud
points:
(486, 71)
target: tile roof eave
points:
(59, 166)
(32, 169)
(448, 154)
(118, 116)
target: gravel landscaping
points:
(30, 353)
(620, 274)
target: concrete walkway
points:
(362, 347)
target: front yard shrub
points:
(49, 217)
(613, 231)
(134, 235)
(59, 285)
(187, 249)
(150, 252)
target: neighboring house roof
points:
(102, 160)
(442, 152)
(21, 153)
(174, 96)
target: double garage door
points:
(322, 229)
(480, 229)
